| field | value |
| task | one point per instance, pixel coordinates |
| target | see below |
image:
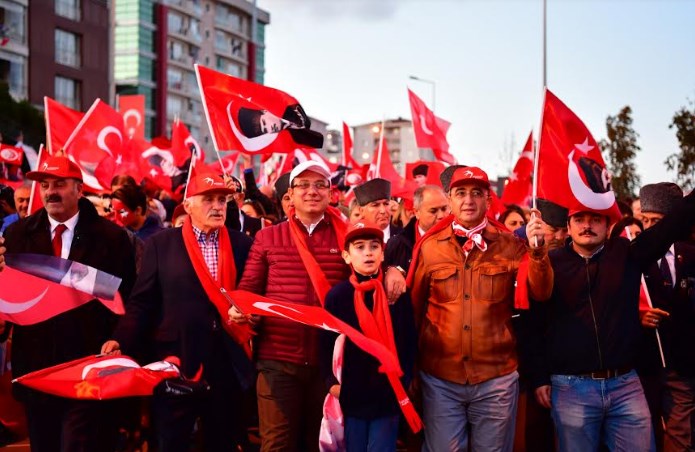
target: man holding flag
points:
(175, 310)
(70, 228)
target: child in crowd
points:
(370, 408)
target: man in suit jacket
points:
(68, 226)
(236, 218)
(174, 309)
(374, 198)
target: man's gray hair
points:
(420, 194)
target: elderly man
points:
(374, 198)
(175, 310)
(296, 261)
(431, 205)
(671, 284)
(463, 296)
(69, 227)
(588, 334)
(21, 203)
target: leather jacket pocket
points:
(494, 282)
(445, 284)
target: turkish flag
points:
(518, 186)
(101, 377)
(132, 107)
(434, 169)
(571, 171)
(383, 168)
(430, 131)
(11, 155)
(251, 118)
(183, 145)
(157, 166)
(347, 159)
(226, 164)
(95, 144)
(60, 123)
(35, 201)
(39, 287)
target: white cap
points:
(310, 165)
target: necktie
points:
(666, 273)
(58, 239)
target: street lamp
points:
(431, 82)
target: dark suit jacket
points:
(79, 332)
(169, 310)
(399, 249)
(251, 225)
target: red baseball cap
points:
(57, 166)
(363, 229)
(207, 182)
(469, 174)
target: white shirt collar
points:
(310, 227)
(70, 223)
(387, 233)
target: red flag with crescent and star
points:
(347, 159)
(518, 187)
(132, 107)
(11, 155)
(101, 377)
(251, 118)
(571, 170)
(39, 287)
(60, 123)
(95, 145)
(183, 145)
(430, 131)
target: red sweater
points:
(275, 269)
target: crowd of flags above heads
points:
(252, 119)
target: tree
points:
(684, 163)
(16, 117)
(621, 148)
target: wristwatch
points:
(399, 268)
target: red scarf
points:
(377, 326)
(474, 236)
(226, 278)
(521, 292)
(316, 275)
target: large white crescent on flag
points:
(8, 307)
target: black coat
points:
(79, 332)
(399, 249)
(251, 225)
(169, 312)
(365, 392)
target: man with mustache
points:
(588, 333)
(68, 226)
(175, 310)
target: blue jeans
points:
(588, 412)
(374, 435)
(489, 407)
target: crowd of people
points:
(530, 330)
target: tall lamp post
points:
(431, 82)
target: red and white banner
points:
(101, 377)
(10, 154)
(347, 159)
(39, 287)
(226, 164)
(61, 121)
(183, 145)
(430, 131)
(251, 118)
(518, 187)
(132, 107)
(571, 170)
(96, 144)
(434, 169)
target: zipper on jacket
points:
(593, 314)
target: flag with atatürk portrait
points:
(251, 118)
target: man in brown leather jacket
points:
(463, 291)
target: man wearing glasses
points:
(463, 292)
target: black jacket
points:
(399, 249)
(169, 311)
(563, 338)
(79, 332)
(365, 393)
(251, 225)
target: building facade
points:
(399, 137)
(14, 47)
(156, 45)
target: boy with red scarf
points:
(369, 399)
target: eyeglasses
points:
(475, 194)
(319, 185)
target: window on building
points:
(67, 48)
(12, 19)
(175, 23)
(67, 92)
(174, 106)
(69, 9)
(12, 71)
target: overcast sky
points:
(349, 60)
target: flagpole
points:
(545, 43)
(381, 147)
(344, 158)
(33, 183)
(190, 171)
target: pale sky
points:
(349, 60)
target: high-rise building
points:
(14, 47)
(157, 43)
(67, 50)
(399, 137)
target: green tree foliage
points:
(684, 162)
(16, 117)
(621, 148)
